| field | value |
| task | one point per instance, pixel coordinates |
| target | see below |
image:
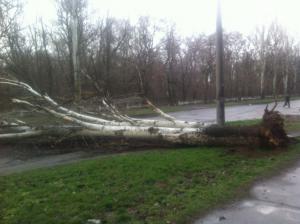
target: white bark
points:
(21, 135)
(84, 126)
(92, 119)
(170, 130)
(160, 112)
(124, 130)
(98, 130)
(30, 90)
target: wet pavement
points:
(10, 165)
(275, 201)
(235, 113)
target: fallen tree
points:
(115, 125)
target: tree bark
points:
(269, 133)
(171, 132)
(262, 79)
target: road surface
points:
(235, 113)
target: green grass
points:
(258, 101)
(290, 125)
(244, 122)
(149, 187)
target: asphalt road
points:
(234, 113)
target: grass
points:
(259, 101)
(291, 125)
(170, 186)
(244, 122)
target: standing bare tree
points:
(171, 51)
(277, 36)
(9, 11)
(145, 52)
(71, 27)
(295, 63)
(260, 42)
(112, 52)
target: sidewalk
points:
(274, 201)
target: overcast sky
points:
(191, 16)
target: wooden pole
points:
(219, 69)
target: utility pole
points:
(75, 58)
(220, 68)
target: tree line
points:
(115, 58)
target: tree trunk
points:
(262, 80)
(274, 84)
(295, 80)
(285, 84)
(269, 133)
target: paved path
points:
(234, 113)
(275, 201)
(9, 165)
